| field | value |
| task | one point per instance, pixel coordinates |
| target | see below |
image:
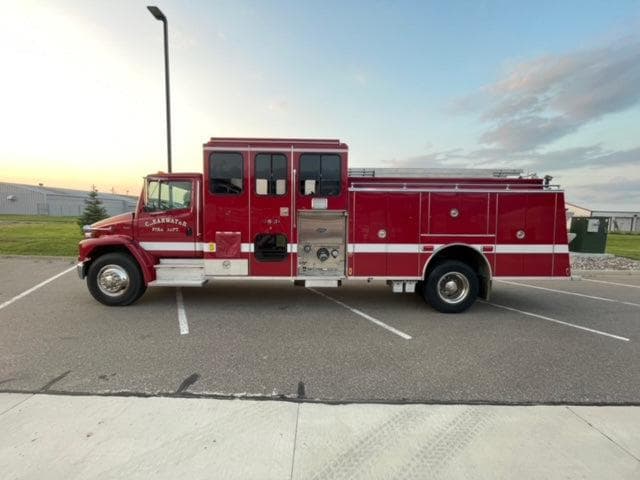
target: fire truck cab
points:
(290, 209)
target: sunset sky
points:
(552, 87)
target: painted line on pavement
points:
(33, 289)
(561, 322)
(182, 314)
(593, 297)
(364, 315)
(611, 283)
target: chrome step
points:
(322, 283)
(180, 270)
(192, 262)
(177, 283)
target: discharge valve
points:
(323, 254)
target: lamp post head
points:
(157, 13)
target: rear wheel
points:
(451, 287)
(114, 279)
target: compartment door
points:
(512, 219)
(322, 243)
(271, 195)
(369, 232)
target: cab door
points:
(271, 212)
(166, 224)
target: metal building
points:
(620, 221)
(20, 199)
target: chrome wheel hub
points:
(453, 287)
(113, 280)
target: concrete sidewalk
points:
(65, 437)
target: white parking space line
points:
(364, 315)
(610, 283)
(593, 297)
(182, 314)
(33, 289)
(554, 320)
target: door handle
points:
(189, 232)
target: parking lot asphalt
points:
(574, 342)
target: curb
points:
(585, 273)
(40, 257)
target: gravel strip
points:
(585, 262)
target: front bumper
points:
(80, 270)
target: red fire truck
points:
(290, 209)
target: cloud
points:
(544, 99)
(592, 156)
(541, 100)
(615, 192)
(527, 133)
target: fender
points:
(486, 282)
(448, 245)
(89, 247)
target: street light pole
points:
(155, 11)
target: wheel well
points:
(104, 249)
(466, 254)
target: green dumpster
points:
(591, 234)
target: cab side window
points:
(320, 174)
(226, 173)
(164, 195)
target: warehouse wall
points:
(25, 200)
(19, 200)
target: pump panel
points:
(321, 243)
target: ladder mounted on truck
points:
(434, 172)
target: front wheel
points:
(451, 287)
(114, 279)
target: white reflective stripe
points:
(367, 248)
(171, 246)
(404, 248)
(516, 248)
(384, 248)
(364, 247)
(419, 248)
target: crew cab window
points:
(163, 195)
(270, 247)
(271, 174)
(320, 174)
(226, 173)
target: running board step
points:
(179, 270)
(321, 283)
(177, 283)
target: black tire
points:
(451, 287)
(121, 281)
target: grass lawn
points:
(624, 245)
(39, 235)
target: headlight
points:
(95, 232)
